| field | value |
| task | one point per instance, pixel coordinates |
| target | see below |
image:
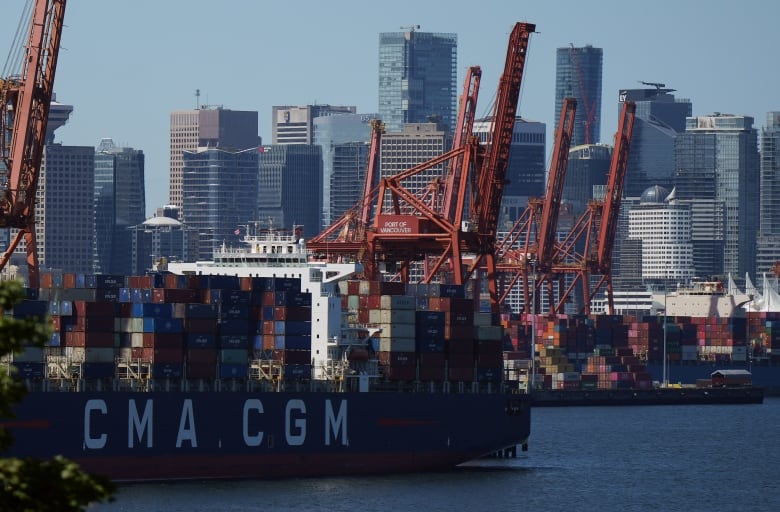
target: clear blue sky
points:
(125, 65)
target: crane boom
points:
(614, 190)
(552, 202)
(492, 174)
(25, 103)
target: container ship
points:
(263, 364)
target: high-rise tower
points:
(768, 244)
(120, 202)
(295, 125)
(208, 126)
(659, 118)
(717, 161)
(417, 78)
(578, 75)
(219, 195)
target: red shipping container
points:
(434, 374)
(47, 280)
(461, 374)
(463, 360)
(202, 371)
(397, 359)
(92, 339)
(91, 323)
(91, 308)
(168, 355)
(163, 340)
(374, 301)
(432, 359)
(200, 325)
(400, 372)
(69, 280)
(201, 356)
(293, 356)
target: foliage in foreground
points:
(29, 484)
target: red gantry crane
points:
(24, 112)
(595, 229)
(436, 228)
(530, 243)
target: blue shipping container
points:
(151, 309)
(233, 370)
(162, 325)
(201, 340)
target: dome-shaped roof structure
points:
(655, 194)
(161, 221)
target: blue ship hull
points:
(135, 436)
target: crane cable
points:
(16, 51)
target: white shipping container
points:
(131, 324)
(137, 340)
(75, 354)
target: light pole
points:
(664, 361)
(533, 324)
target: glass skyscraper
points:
(290, 187)
(219, 193)
(768, 246)
(659, 118)
(119, 203)
(717, 162)
(331, 133)
(208, 126)
(578, 75)
(417, 78)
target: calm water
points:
(653, 458)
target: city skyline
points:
(244, 66)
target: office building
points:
(418, 78)
(290, 187)
(588, 167)
(348, 177)
(526, 171)
(344, 139)
(207, 127)
(65, 209)
(659, 118)
(416, 144)
(295, 125)
(578, 75)
(664, 228)
(219, 195)
(119, 203)
(717, 162)
(768, 242)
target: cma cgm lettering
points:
(133, 425)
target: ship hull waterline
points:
(158, 436)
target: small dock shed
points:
(728, 378)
